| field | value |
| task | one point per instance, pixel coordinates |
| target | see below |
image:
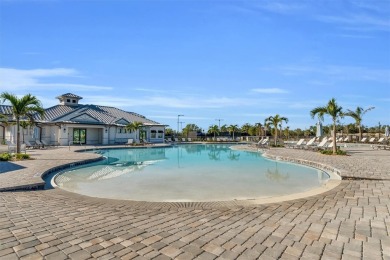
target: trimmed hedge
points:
(330, 152)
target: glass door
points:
(79, 136)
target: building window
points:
(153, 134)
(160, 134)
(68, 100)
(73, 100)
(119, 130)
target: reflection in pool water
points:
(192, 172)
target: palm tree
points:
(259, 127)
(333, 110)
(275, 121)
(224, 129)
(190, 128)
(25, 125)
(134, 127)
(25, 106)
(214, 129)
(232, 129)
(245, 128)
(358, 116)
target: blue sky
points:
(240, 61)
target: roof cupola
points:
(69, 99)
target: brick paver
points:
(352, 221)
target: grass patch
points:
(330, 152)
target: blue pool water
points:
(192, 172)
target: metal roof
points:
(71, 95)
(5, 110)
(68, 114)
(103, 114)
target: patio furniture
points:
(296, 145)
(41, 145)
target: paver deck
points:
(351, 221)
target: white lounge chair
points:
(364, 139)
(176, 140)
(29, 145)
(309, 143)
(346, 139)
(11, 147)
(320, 145)
(41, 145)
(263, 143)
(130, 142)
(46, 144)
(372, 140)
(298, 144)
(381, 140)
(189, 139)
(183, 139)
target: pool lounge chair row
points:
(179, 140)
(311, 145)
(136, 142)
(301, 143)
(30, 145)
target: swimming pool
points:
(193, 172)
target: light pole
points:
(219, 122)
(178, 121)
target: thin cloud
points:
(360, 22)
(184, 118)
(270, 90)
(337, 72)
(23, 80)
(281, 7)
(171, 102)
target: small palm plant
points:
(134, 127)
(259, 128)
(275, 121)
(333, 110)
(358, 116)
(26, 106)
(232, 129)
(214, 129)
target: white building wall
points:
(156, 137)
(93, 136)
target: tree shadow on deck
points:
(9, 167)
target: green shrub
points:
(330, 152)
(22, 156)
(5, 156)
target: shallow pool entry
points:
(193, 172)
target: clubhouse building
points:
(72, 123)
